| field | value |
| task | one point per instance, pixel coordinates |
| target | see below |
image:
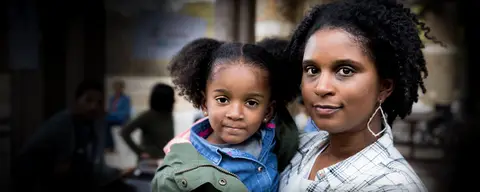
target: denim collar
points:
(202, 129)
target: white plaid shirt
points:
(378, 167)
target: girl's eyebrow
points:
(221, 90)
(253, 94)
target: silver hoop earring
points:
(382, 116)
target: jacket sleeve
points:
(184, 169)
(164, 180)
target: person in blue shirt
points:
(118, 114)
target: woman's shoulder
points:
(398, 176)
(381, 167)
(309, 138)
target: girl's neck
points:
(215, 139)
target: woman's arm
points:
(126, 133)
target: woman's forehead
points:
(333, 44)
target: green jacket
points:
(184, 169)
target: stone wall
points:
(122, 40)
(140, 73)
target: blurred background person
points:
(156, 124)
(67, 150)
(119, 111)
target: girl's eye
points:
(311, 70)
(252, 103)
(345, 71)
(222, 100)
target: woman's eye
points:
(222, 100)
(252, 103)
(345, 71)
(311, 70)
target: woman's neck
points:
(344, 145)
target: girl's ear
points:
(203, 106)
(270, 112)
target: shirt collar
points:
(374, 154)
(202, 129)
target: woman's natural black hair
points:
(286, 129)
(275, 46)
(162, 98)
(387, 31)
(192, 66)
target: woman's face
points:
(340, 85)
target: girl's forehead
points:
(237, 66)
(239, 74)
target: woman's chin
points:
(328, 126)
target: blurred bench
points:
(412, 121)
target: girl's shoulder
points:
(184, 169)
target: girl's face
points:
(340, 85)
(237, 100)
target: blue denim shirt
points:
(257, 174)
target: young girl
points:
(237, 86)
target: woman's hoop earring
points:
(382, 116)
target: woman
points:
(156, 124)
(361, 66)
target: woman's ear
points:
(386, 89)
(270, 112)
